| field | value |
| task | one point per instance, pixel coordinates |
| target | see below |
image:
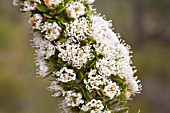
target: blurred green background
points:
(144, 24)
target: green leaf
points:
(123, 102)
(60, 9)
(84, 92)
(88, 7)
(64, 20)
(99, 93)
(64, 34)
(50, 21)
(52, 75)
(58, 17)
(122, 96)
(42, 8)
(47, 15)
(117, 80)
(86, 74)
(84, 41)
(61, 61)
(90, 94)
(75, 109)
(59, 23)
(124, 87)
(62, 39)
(76, 88)
(92, 64)
(80, 75)
(112, 102)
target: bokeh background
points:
(144, 24)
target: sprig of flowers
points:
(90, 66)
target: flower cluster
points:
(96, 106)
(65, 75)
(75, 10)
(90, 66)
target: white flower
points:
(52, 3)
(75, 10)
(42, 69)
(37, 39)
(73, 99)
(52, 30)
(102, 30)
(134, 85)
(16, 2)
(36, 21)
(65, 75)
(107, 111)
(94, 81)
(111, 90)
(88, 1)
(29, 5)
(64, 106)
(106, 66)
(96, 106)
(55, 87)
(74, 54)
(44, 47)
(84, 108)
(79, 29)
(44, 50)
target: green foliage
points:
(41, 8)
(64, 20)
(80, 75)
(47, 15)
(60, 8)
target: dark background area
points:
(143, 24)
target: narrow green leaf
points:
(84, 41)
(76, 88)
(64, 20)
(92, 64)
(42, 8)
(59, 23)
(117, 80)
(124, 87)
(123, 102)
(50, 21)
(58, 17)
(75, 109)
(99, 93)
(105, 106)
(112, 102)
(84, 92)
(60, 9)
(61, 61)
(86, 74)
(122, 96)
(47, 15)
(90, 94)
(80, 75)
(62, 39)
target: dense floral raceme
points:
(90, 66)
